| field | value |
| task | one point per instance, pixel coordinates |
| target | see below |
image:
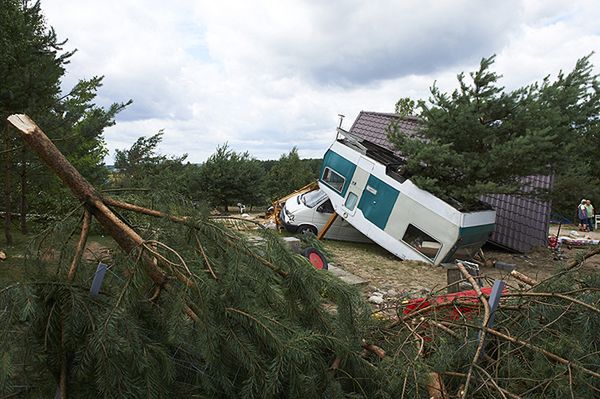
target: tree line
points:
(226, 178)
(32, 66)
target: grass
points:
(12, 268)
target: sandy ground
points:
(384, 271)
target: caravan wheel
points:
(316, 258)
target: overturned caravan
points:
(365, 185)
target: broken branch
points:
(85, 229)
(486, 318)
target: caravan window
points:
(351, 201)
(333, 179)
(421, 241)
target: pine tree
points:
(288, 174)
(228, 177)
(483, 139)
(31, 68)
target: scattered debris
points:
(577, 242)
(346, 276)
(376, 298)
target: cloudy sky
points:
(269, 75)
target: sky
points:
(265, 76)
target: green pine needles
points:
(260, 332)
(483, 139)
(241, 320)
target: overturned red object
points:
(453, 312)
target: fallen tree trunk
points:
(124, 235)
(7, 186)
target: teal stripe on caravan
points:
(340, 165)
(377, 201)
(468, 235)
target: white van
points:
(310, 211)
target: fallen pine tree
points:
(189, 308)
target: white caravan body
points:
(366, 188)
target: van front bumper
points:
(292, 228)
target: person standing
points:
(582, 215)
(590, 214)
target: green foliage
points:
(259, 334)
(405, 107)
(550, 324)
(288, 174)
(269, 325)
(483, 139)
(228, 177)
(76, 125)
(141, 166)
(572, 184)
(31, 68)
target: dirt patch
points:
(96, 252)
(385, 271)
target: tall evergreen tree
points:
(30, 71)
(289, 173)
(142, 166)
(228, 177)
(31, 67)
(483, 139)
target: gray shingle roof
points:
(521, 223)
(372, 126)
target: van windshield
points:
(313, 198)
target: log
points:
(436, 387)
(85, 229)
(7, 186)
(523, 278)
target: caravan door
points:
(357, 185)
(377, 201)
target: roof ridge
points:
(392, 114)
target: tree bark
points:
(24, 188)
(7, 186)
(85, 229)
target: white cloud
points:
(266, 76)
